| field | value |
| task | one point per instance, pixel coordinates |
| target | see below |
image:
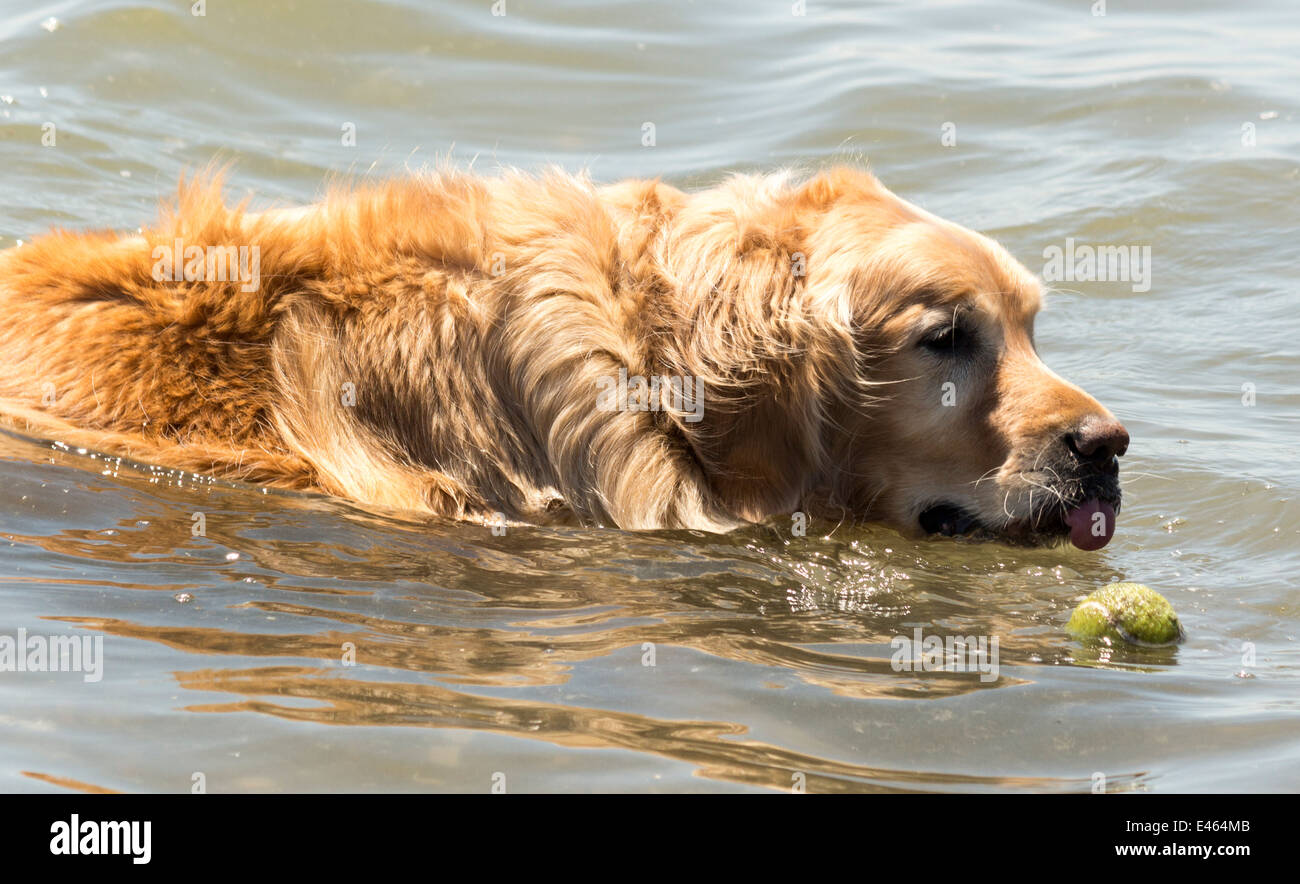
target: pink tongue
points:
(1092, 524)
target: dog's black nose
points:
(1098, 439)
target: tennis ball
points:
(1131, 612)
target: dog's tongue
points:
(1092, 524)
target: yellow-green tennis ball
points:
(1130, 612)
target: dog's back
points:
(414, 344)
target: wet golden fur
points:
(475, 316)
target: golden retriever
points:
(538, 349)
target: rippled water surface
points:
(522, 659)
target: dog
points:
(538, 349)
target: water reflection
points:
(434, 614)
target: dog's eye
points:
(947, 340)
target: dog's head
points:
(862, 357)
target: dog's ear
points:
(753, 338)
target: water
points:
(521, 658)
